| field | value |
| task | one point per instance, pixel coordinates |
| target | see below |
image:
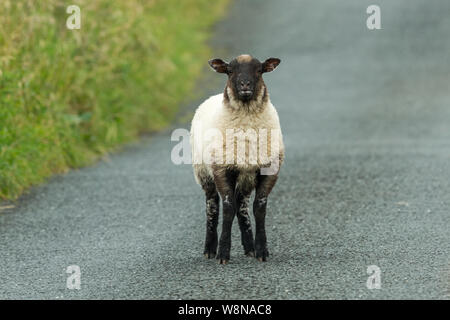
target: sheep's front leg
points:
(263, 188)
(212, 217)
(242, 199)
(225, 181)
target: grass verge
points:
(69, 96)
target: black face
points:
(244, 77)
(245, 74)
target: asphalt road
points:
(365, 116)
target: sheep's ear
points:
(270, 64)
(219, 65)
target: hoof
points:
(209, 255)
(262, 255)
(223, 255)
(210, 249)
(250, 254)
(262, 259)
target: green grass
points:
(67, 97)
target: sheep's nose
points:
(245, 85)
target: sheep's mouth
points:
(246, 94)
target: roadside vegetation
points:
(67, 97)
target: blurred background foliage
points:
(69, 96)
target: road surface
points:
(366, 181)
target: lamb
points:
(233, 169)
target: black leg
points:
(263, 187)
(225, 181)
(245, 223)
(212, 217)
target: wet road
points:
(365, 117)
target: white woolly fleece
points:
(209, 142)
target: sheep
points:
(233, 169)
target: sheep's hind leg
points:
(242, 199)
(212, 218)
(264, 185)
